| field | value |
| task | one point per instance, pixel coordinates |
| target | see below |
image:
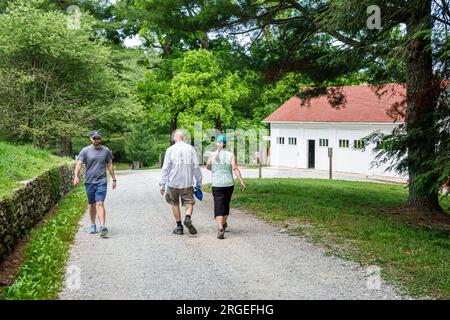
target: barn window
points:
(344, 143)
(323, 142)
(280, 140)
(292, 141)
(358, 144)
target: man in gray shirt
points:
(97, 159)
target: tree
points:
(193, 87)
(417, 141)
(206, 91)
(99, 80)
(141, 147)
(326, 40)
(54, 81)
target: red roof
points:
(361, 103)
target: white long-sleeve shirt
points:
(180, 167)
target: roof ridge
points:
(362, 106)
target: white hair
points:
(178, 135)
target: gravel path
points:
(142, 259)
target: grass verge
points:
(361, 221)
(120, 166)
(23, 162)
(42, 272)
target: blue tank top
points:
(222, 171)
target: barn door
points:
(311, 153)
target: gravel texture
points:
(142, 259)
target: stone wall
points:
(28, 204)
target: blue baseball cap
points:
(95, 134)
(222, 138)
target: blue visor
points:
(221, 138)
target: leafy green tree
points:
(55, 82)
(418, 143)
(204, 90)
(193, 87)
(327, 40)
(141, 146)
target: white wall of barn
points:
(344, 159)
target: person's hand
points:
(75, 181)
(114, 184)
(244, 187)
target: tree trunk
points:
(420, 109)
(173, 128)
(66, 146)
(205, 42)
(218, 125)
(135, 165)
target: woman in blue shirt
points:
(222, 163)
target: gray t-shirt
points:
(95, 161)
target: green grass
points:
(150, 168)
(118, 166)
(354, 220)
(252, 166)
(42, 272)
(24, 162)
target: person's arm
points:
(167, 166)
(109, 164)
(113, 175)
(209, 164)
(237, 172)
(78, 166)
(197, 171)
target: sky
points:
(132, 42)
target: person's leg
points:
(101, 213)
(90, 193)
(228, 194)
(189, 210)
(220, 222)
(93, 212)
(219, 210)
(221, 229)
(188, 201)
(188, 219)
(173, 198)
(227, 201)
(100, 196)
(176, 213)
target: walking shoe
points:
(93, 229)
(103, 232)
(188, 224)
(221, 234)
(178, 230)
(225, 226)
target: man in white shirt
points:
(177, 180)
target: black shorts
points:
(222, 199)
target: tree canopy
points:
(226, 63)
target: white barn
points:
(302, 131)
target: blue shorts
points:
(95, 192)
